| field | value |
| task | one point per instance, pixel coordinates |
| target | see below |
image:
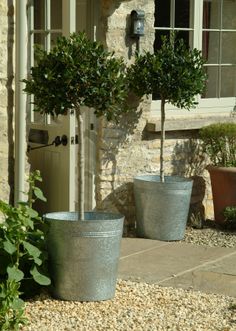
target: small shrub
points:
(230, 217)
(22, 254)
(219, 143)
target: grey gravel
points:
(140, 306)
(210, 235)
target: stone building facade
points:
(124, 150)
(6, 100)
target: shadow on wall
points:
(120, 189)
(188, 160)
(121, 199)
(10, 99)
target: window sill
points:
(182, 124)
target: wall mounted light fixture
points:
(137, 23)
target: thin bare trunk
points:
(81, 162)
(162, 173)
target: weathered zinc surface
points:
(6, 97)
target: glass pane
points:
(158, 35)
(229, 14)
(185, 36)
(162, 13)
(54, 37)
(39, 15)
(211, 14)
(39, 39)
(212, 82)
(81, 16)
(56, 14)
(39, 118)
(228, 82)
(211, 46)
(182, 14)
(229, 47)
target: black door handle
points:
(63, 140)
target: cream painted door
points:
(58, 162)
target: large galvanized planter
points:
(162, 208)
(84, 255)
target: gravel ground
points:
(211, 235)
(136, 306)
(141, 306)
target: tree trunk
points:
(81, 162)
(162, 173)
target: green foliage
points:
(11, 306)
(22, 254)
(230, 217)
(175, 72)
(78, 72)
(219, 143)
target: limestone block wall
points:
(127, 149)
(6, 99)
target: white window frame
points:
(206, 106)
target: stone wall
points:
(127, 149)
(124, 150)
(6, 99)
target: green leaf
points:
(32, 213)
(29, 223)
(15, 274)
(18, 303)
(39, 278)
(38, 261)
(9, 247)
(31, 249)
(39, 194)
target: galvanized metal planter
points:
(84, 255)
(162, 208)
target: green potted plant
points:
(219, 143)
(83, 247)
(176, 73)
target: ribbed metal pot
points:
(84, 255)
(162, 208)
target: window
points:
(47, 25)
(209, 25)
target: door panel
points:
(59, 164)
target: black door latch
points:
(63, 140)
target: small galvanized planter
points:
(162, 208)
(84, 255)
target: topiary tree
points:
(175, 72)
(78, 72)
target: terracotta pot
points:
(223, 183)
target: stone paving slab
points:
(208, 269)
